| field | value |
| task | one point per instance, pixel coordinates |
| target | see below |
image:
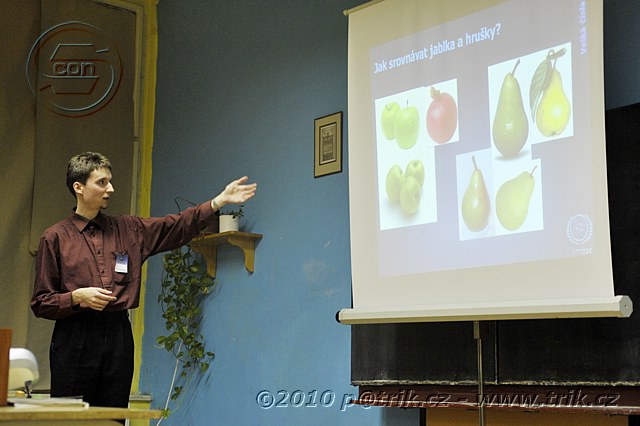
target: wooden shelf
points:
(71, 416)
(207, 245)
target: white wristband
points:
(214, 205)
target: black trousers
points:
(91, 355)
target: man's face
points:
(96, 192)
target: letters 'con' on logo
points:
(75, 67)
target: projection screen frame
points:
(601, 307)
(377, 302)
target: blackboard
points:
(530, 352)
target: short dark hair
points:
(81, 165)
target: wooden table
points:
(92, 416)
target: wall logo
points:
(579, 229)
(76, 67)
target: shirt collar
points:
(81, 222)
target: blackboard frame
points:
(555, 352)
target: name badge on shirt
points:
(122, 260)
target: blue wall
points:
(239, 85)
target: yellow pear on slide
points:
(512, 200)
(476, 206)
(554, 110)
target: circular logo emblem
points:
(579, 229)
(76, 67)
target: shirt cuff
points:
(205, 214)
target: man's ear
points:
(78, 187)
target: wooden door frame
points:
(144, 90)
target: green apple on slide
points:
(393, 183)
(410, 194)
(406, 126)
(415, 168)
(405, 187)
(388, 118)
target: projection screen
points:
(477, 169)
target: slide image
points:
(442, 114)
(475, 189)
(518, 198)
(530, 101)
(399, 122)
(406, 161)
(407, 194)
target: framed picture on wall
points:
(328, 144)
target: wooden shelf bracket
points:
(207, 245)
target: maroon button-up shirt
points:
(77, 253)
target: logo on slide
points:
(579, 229)
(75, 67)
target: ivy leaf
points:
(176, 392)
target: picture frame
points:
(328, 145)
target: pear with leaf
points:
(550, 107)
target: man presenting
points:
(88, 274)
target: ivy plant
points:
(236, 214)
(185, 284)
